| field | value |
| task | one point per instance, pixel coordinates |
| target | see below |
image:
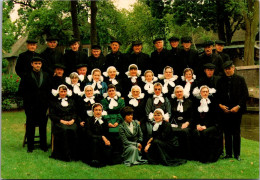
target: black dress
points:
(164, 147)
(100, 154)
(65, 136)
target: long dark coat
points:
(142, 60)
(159, 61)
(97, 63)
(188, 59)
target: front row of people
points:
(101, 140)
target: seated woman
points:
(64, 128)
(168, 80)
(96, 81)
(73, 82)
(99, 144)
(188, 82)
(133, 78)
(111, 78)
(148, 80)
(162, 147)
(157, 101)
(131, 136)
(206, 136)
(112, 105)
(181, 120)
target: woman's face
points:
(149, 77)
(111, 92)
(157, 90)
(96, 76)
(98, 111)
(188, 75)
(135, 92)
(157, 117)
(62, 93)
(129, 118)
(89, 91)
(74, 80)
(133, 72)
(168, 73)
(204, 92)
(112, 73)
(179, 93)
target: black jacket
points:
(188, 59)
(142, 60)
(159, 61)
(97, 63)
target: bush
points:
(4, 65)
(10, 85)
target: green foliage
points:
(4, 65)
(10, 85)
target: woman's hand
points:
(149, 141)
(106, 141)
(82, 123)
(116, 124)
(147, 147)
(63, 122)
(185, 125)
(139, 147)
(111, 125)
(70, 122)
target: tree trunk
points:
(93, 37)
(220, 20)
(251, 16)
(74, 16)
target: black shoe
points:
(238, 158)
(227, 157)
(29, 150)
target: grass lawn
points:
(16, 163)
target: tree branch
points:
(25, 3)
(237, 25)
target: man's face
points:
(31, 46)
(115, 47)
(82, 71)
(111, 92)
(96, 52)
(159, 44)
(129, 118)
(59, 72)
(179, 93)
(209, 72)
(208, 50)
(137, 48)
(219, 47)
(174, 44)
(36, 65)
(97, 111)
(186, 46)
(52, 44)
(229, 71)
(75, 46)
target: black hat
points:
(59, 66)
(37, 58)
(220, 42)
(227, 64)
(81, 65)
(174, 38)
(209, 66)
(52, 38)
(73, 41)
(186, 39)
(32, 41)
(137, 43)
(95, 46)
(157, 39)
(208, 43)
(116, 41)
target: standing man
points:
(174, 56)
(209, 57)
(232, 94)
(23, 63)
(159, 57)
(219, 45)
(58, 78)
(209, 78)
(51, 55)
(137, 57)
(35, 90)
(82, 70)
(97, 59)
(189, 58)
(116, 58)
(74, 57)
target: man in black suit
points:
(174, 56)
(209, 78)
(219, 45)
(23, 63)
(137, 57)
(97, 59)
(51, 55)
(35, 89)
(232, 94)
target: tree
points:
(74, 16)
(93, 37)
(251, 16)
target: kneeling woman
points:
(131, 136)
(63, 116)
(99, 145)
(162, 148)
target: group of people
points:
(132, 108)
